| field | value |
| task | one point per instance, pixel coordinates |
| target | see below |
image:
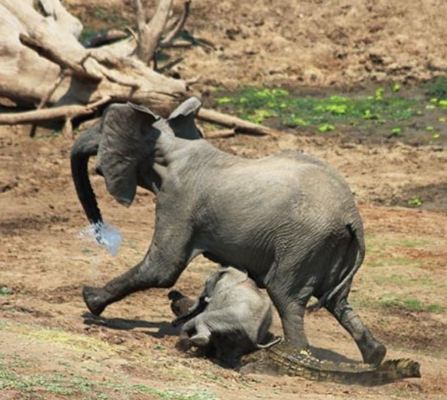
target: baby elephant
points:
(230, 318)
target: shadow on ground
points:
(162, 328)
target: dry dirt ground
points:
(51, 348)
(309, 42)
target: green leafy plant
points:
(367, 114)
(378, 95)
(397, 131)
(415, 202)
(5, 291)
(322, 113)
(296, 121)
(326, 128)
(395, 88)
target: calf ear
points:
(182, 118)
(124, 143)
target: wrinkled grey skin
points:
(230, 316)
(127, 172)
(289, 220)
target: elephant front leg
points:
(198, 331)
(160, 268)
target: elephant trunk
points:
(85, 147)
(184, 307)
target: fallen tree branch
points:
(47, 97)
(48, 114)
(170, 36)
(170, 65)
(220, 134)
(107, 37)
(149, 33)
(239, 125)
(57, 58)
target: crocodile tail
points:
(301, 363)
(388, 372)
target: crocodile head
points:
(407, 368)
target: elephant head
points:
(202, 301)
(124, 140)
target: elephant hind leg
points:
(373, 352)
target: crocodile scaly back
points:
(285, 360)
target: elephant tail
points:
(357, 245)
(285, 359)
(84, 147)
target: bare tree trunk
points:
(149, 33)
(42, 64)
(36, 49)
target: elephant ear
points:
(124, 141)
(211, 282)
(182, 118)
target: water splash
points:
(105, 235)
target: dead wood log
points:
(55, 55)
(51, 114)
(237, 124)
(178, 26)
(149, 33)
(107, 37)
(36, 48)
(220, 134)
(45, 99)
(44, 65)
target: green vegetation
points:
(386, 260)
(409, 304)
(321, 113)
(437, 88)
(69, 385)
(52, 383)
(396, 131)
(415, 202)
(5, 291)
(397, 303)
(391, 111)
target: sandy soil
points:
(46, 332)
(51, 348)
(310, 42)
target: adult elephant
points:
(289, 220)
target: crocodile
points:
(283, 359)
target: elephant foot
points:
(183, 344)
(200, 340)
(93, 298)
(374, 353)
